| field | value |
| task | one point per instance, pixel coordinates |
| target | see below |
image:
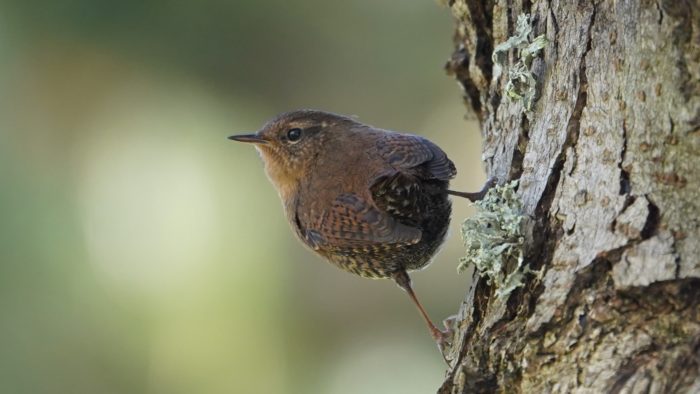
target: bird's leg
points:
(404, 281)
(475, 196)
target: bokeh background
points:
(142, 252)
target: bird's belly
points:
(382, 260)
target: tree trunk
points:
(609, 175)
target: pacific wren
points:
(373, 202)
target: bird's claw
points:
(444, 341)
(493, 181)
(476, 196)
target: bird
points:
(372, 202)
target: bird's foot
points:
(473, 197)
(444, 341)
(493, 181)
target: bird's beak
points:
(250, 138)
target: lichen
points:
(494, 239)
(521, 83)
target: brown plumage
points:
(373, 202)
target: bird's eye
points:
(293, 135)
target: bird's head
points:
(289, 143)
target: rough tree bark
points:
(609, 173)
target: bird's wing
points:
(406, 151)
(353, 222)
(399, 194)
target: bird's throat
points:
(280, 176)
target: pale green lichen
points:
(494, 239)
(521, 83)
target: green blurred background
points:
(142, 252)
